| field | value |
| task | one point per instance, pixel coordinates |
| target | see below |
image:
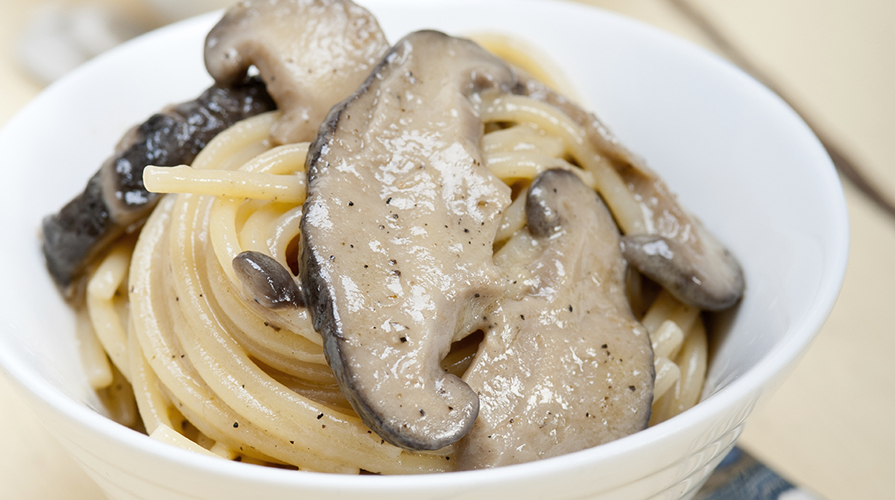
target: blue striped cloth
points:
(741, 477)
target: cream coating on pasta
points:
(252, 383)
(282, 345)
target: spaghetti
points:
(215, 372)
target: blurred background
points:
(828, 427)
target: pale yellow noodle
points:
(256, 229)
(118, 400)
(513, 220)
(213, 370)
(667, 339)
(257, 398)
(101, 306)
(513, 166)
(239, 143)
(154, 324)
(522, 138)
(223, 229)
(516, 109)
(667, 374)
(223, 234)
(204, 441)
(93, 356)
(693, 362)
(223, 451)
(185, 179)
(283, 232)
(211, 352)
(666, 321)
(666, 307)
(153, 404)
(272, 343)
(168, 435)
(230, 217)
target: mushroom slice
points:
(270, 284)
(397, 232)
(674, 249)
(708, 277)
(311, 53)
(564, 364)
(115, 199)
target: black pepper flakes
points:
(235, 425)
(319, 416)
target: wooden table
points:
(827, 427)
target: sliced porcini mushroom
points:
(115, 199)
(397, 232)
(269, 283)
(564, 364)
(709, 279)
(672, 247)
(311, 53)
(291, 42)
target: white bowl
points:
(175, 10)
(737, 156)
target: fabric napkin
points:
(741, 477)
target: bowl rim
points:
(749, 386)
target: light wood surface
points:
(828, 427)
